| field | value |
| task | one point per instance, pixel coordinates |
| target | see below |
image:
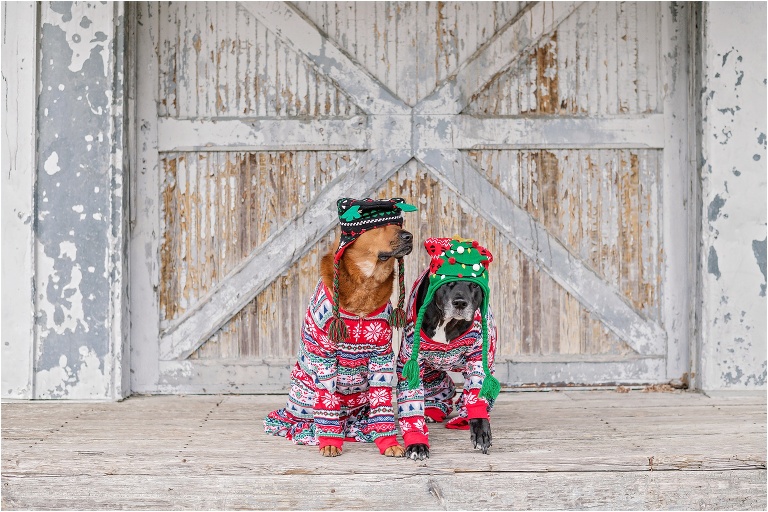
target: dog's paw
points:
(394, 451)
(417, 452)
(480, 434)
(330, 451)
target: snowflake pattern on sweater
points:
(340, 391)
(434, 398)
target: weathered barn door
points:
(552, 132)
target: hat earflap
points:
(397, 318)
(337, 330)
(411, 370)
(491, 385)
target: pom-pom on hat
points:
(455, 259)
(356, 216)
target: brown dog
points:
(341, 383)
(366, 281)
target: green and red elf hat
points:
(455, 259)
(356, 216)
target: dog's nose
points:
(459, 303)
(405, 236)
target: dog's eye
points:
(473, 286)
(383, 257)
(451, 284)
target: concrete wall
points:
(78, 259)
(733, 188)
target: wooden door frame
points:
(163, 367)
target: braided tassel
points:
(397, 318)
(337, 330)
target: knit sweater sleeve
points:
(410, 402)
(320, 357)
(473, 380)
(381, 372)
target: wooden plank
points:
(19, 46)
(605, 302)
(145, 244)
(509, 43)
(722, 490)
(303, 37)
(679, 174)
(192, 454)
(264, 134)
(281, 250)
(469, 132)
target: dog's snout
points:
(405, 236)
(459, 303)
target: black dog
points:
(450, 315)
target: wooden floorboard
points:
(551, 450)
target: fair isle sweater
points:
(339, 380)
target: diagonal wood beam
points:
(459, 173)
(304, 38)
(266, 134)
(278, 253)
(495, 56)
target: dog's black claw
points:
(480, 434)
(417, 452)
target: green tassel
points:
(397, 318)
(337, 331)
(411, 373)
(491, 388)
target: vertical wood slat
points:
(217, 61)
(591, 201)
(603, 60)
(410, 47)
(211, 218)
(527, 307)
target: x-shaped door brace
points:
(392, 133)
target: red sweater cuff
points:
(338, 442)
(385, 442)
(410, 438)
(478, 410)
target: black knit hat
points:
(356, 216)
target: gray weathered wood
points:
(234, 291)
(469, 132)
(524, 30)
(146, 230)
(556, 449)
(680, 229)
(303, 37)
(264, 134)
(599, 297)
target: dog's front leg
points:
(417, 451)
(480, 434)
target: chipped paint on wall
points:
(733, 196)
(77, 187)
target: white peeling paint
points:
(78, 208)
(51, 165)
(733, 197)
(74, 315)
(61, 382)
